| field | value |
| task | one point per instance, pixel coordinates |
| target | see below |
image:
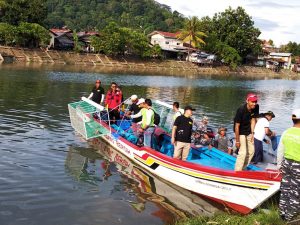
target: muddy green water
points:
(48, 175)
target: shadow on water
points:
(172, 202)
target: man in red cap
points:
(97, 94)
(244, 123)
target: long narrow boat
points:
(207, 172)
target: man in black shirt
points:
(133, 110)
(181, 134)
(97, 94)
(244, 123)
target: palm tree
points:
(191, 33)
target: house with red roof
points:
(62, 39)
(171, 46)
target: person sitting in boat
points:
(147, 126)
(202, 125)
(201, 136)
(97, 94)
(182, 133)
(262, 129)
(133, 110)
(222, 142)
(113, 102)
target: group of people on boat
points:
(250, 130)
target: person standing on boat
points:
(182, 134)
(147, 126)
(244, 123)
(288, 161)
(113, 102)
(97, 94)
(176, 111)
(133, 110)
(262, 128)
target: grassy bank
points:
(261, 217)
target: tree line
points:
(124, 25)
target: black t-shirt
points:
(243, 116)
(135, 109)
(97, 94)
(184, 129)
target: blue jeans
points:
(148, 136)
(259, 151)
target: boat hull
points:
(234, 189)
(241, 191)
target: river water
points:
(49, 175)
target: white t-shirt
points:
(178, 113)
(259, 130)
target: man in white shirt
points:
(176, 111)
(262, 128)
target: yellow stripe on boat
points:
(150, 160)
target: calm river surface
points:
(48, 175)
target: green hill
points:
(145, 15)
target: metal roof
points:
(280, 54)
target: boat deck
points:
(198, 155)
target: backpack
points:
(156, 118)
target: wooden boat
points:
(206, 172)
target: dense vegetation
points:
(291, 47)
(20, 23)
(124, 25)
(231, 38)
(116, 40)
(143, 15)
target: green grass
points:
(271, 217)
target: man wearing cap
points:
(147, 123)
(133, 110)
(262, 128)
(97, 94)
(182, 133)
(244, 123)
(288, 161)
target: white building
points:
(169, 43)
(284, 59)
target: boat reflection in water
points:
(169, 198)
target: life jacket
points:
(291, 142)
(144, 117)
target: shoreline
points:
(90, 62)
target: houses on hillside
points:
(172, 47)
(63, 39)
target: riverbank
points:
(262, 217)
(102, 63)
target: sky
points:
(278, 20)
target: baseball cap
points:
(140, 101)
(133, 97)
(296, 114)
(270, 113)
(252, 97)
(188, 107)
